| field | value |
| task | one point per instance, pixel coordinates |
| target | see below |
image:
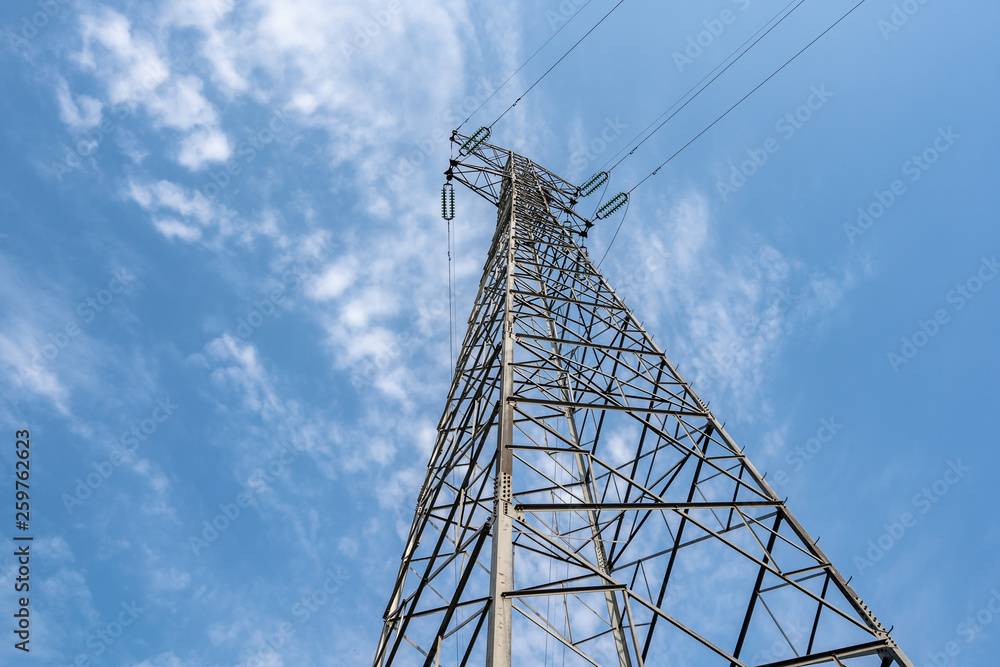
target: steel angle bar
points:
(833, 656)
(776, 573)
(557, 507)
(557, 635)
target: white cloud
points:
(334, 280)
(181, 104)
(174, 229)
(83, 113)
(164, 194)
(55, 548)
(170, 579)
(24, 368)
(167, 659)
(203, 147)
(129, 65)
(133, 71)
(222, 46)
(728, 317)
(164, 200)
(244, 373)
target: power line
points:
(742, 99)
(726, 113)
(720, 73)
(556, 63)
(568, 21)
(451, 308)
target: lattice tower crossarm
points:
(582, 505)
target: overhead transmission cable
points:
(451, 307)
(556, 63)
(625, 196)
(568, 21)
(776, 20)
(741, 100)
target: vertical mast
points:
(502, 570)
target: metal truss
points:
(582, 506)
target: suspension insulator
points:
(448, 202)
(596, 181)
(613, 205)
(473, 142)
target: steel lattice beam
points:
(625, 524)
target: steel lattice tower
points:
(582, 506)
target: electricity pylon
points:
(582, 506)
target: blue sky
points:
(224, 292)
